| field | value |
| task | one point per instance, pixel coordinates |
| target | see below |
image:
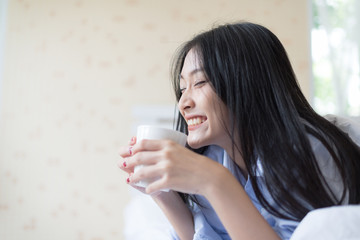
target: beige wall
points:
(73, 70)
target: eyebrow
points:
(196, 70)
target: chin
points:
(196, 143)
(195, 146)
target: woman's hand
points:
(167, 165)
(170, 203)
(125, 152)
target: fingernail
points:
(128, 180)
(124, 164)
(130, 151)
(132, 140)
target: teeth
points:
(195, 121)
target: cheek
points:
(216, 124)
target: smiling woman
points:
(258, 158)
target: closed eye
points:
(200, 83)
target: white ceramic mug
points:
(157, 133)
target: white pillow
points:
(351, 126)
(332, 223)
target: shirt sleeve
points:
(203, 231)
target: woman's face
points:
(206, 115)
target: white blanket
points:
(333, 223)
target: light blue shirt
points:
(208, 225)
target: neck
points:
(235, 154)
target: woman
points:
(258, 158)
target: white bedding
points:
(144, 220)
(333, 223)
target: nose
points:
(186, 101)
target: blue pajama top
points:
(208, 225)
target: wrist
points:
(177, 213)
(220, 177)
(163, 196)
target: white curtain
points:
(336, 56)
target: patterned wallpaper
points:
(73, 72)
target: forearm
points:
(177, 213)
(235, 209)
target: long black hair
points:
(249, 70)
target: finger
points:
(156, 186)
(141, 158)
(122, 165)
(126, 151)
(141, 189)
(147, 173)
(132, 141)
